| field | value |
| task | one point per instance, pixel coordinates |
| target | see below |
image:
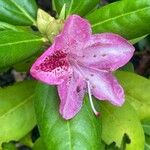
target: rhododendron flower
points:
(79, 62)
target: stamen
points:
(91, 101)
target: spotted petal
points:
(71, 93)
(104, 86)
(74, 34)
(51, 67)
(106, 51)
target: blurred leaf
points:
(131, 20)
(146, 126)
(144, 44)
(27, 140)
(4, 26)
(137, 91)
(118, 121)
(9, 146)
(147, 143)
(25, 65)
(17, 115)
(136, 40)
(81, 7)
(80, 133)
(128, 67)
(38, 145)
(18, 12)
(17, 46)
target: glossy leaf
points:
(17, 46)
(118, 121)
(18, 12)
(146, 126)
(38, 145)
(83, 132)
(4, 26)
(27, 140)
(81, 7)
(136, 40)
(128, 67)
(17, 115)
(131, 20)
(9, 146)
(26, 64)
(137, 92)
(147, 143)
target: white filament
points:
(90, 98)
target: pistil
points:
(91, 101)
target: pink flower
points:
(79, 62)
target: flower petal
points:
(77, 28)
(104, 86)
(71, 93)
(75, 32)
(107, 51)
(51, 67)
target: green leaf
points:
(147, 142)
(83, 132)
(38, 145)
(17, 115)
(128, 67)
(136, 40)
(4, 26)
(137, 90)
(146, 126)
(18, 12)
(81, 7)
(118, 121)
(9, 146)
(17, 46)
(26, 64)
(129, 18)
(27, 140)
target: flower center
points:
(88, 87)
(57, 60)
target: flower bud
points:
(48, 25)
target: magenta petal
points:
(71, 93)
(107, 51)
(51, 67)
(77, 28)
(105, 87)
(73, 36)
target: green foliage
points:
(4, 26)
(9, 146)
(81, 7)
(129, 18)
(18, 12)
(119, 127)
(38, 145)
(128, 67)
(17, 115)
(147, 143)
(137, 92)
(118, 121)
(146, 126)
(17, 46)
(83, 132)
